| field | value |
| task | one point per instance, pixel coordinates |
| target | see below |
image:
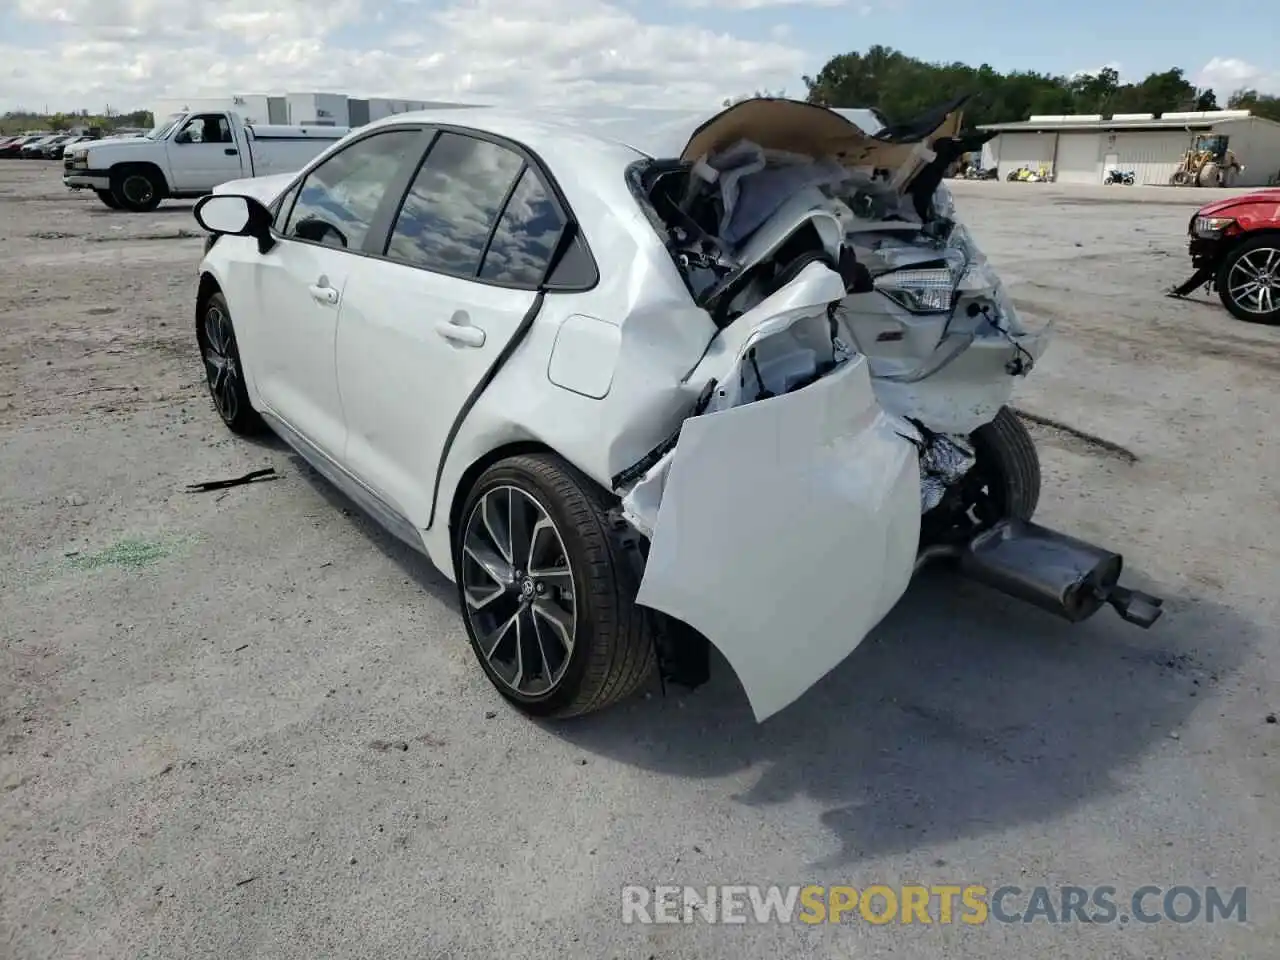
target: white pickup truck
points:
(187, 155)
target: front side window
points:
(339, 197)
(207, 128)
(451, 207)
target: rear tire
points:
(609, 650)
(1007, 460)
(106, 197)
(1258, 259)
(135, 190)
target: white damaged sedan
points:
(637, 387)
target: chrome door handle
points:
(461, 331)
(323, 294)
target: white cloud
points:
(1094, 71)
(131, 53)
(1226, 75)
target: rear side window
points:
(526, 235)
(339, 198)
(452, 206)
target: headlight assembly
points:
(1211, 226)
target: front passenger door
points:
(299, 283)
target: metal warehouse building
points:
(309, 109)
(1081, 149)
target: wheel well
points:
(150, 169)
(1248, 236)
(208, 287)
(1260, 232)
(472, 473)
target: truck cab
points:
(187, 155)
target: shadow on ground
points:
(415, 565)
(965, 712)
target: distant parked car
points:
(13, 149)
(1235, 248)
(55, 151)
(32, 150)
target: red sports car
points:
(1235, 248)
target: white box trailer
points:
(187, 155)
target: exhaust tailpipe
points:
(1055, 572)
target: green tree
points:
(1260, 104)
(901, 87)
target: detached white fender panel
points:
(788, 528)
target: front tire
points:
(135, 190)
(108, 199)
(547, 595)
(1248, 280)
(1009, 465)
(224, 372)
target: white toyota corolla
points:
(635, 393)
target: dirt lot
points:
(246, 724)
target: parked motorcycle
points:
(1124, 177)
(1027, 175)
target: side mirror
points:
(236, 216)
(182, 136)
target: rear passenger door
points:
(422, 325)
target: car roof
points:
(587, 164)
(538, 130)
(658, 132)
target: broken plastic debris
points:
(269, 473)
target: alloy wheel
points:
(517, 584)
(221, 369)
(1253, 282)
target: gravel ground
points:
(247, 724)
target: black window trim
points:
(384, 218)
(502, 212)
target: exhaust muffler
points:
(1053, 571)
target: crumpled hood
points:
(263, 189)
(772, 122)
(1217, 207)
(796, 126)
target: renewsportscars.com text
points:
(969, 904)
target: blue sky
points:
(1141, 37)
(73, 53)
